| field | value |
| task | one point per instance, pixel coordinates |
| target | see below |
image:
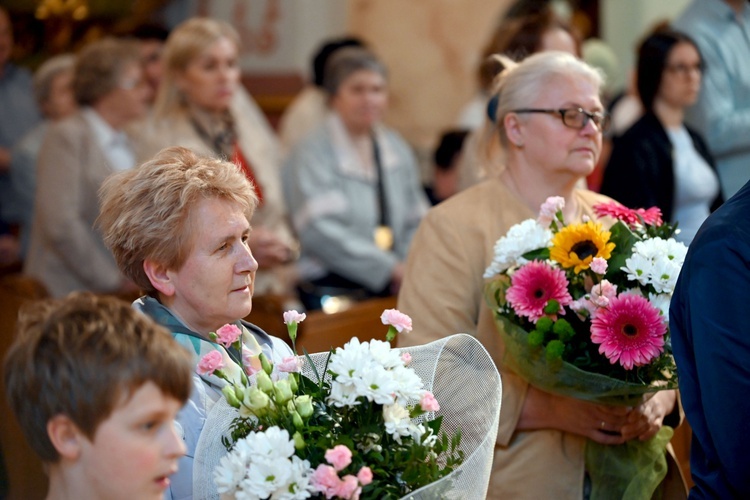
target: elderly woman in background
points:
(550, 120)
(352, 188)
(78, 153)
(53, 91)
(202, 106)
(179, 227)
(660, 161)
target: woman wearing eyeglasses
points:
(550, 120)
(660, 161)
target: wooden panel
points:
(24, 470)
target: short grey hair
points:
(46, 74)
(100, 66)
(347, 61)
(520, 83)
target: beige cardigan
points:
(66, 253)
(442, 292)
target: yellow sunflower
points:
(578, 244)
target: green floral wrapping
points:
(632, 470)
(564, 378)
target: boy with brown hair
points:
(96, 386)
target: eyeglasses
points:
(684, 70)
(576, 118)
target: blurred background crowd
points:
(351, 117)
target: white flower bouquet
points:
(362, 421)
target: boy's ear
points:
(65, 436)
(159, 277)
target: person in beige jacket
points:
(202, 106)
(550, 120)
(65, 252)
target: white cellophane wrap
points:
(456, 369)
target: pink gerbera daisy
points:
(535, 284)
(629, 331)
(651, 216)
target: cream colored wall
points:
(431, 48)
(624, 22)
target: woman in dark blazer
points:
(660, 161)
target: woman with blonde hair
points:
(202, 105)
(550, 120)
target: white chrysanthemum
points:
(397, 422)
(656, 262)
(408, 385)
(299, 486)
(675, 251)
(266, 476)
(230, 472)
(345, 362)
(638, 268)
(376, 384)
(664, 275)
(521, 238)
(271, 444)
(382, 353)
(661, 301)
(343, 394)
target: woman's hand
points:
(268, 249)
(645, 420)
(599, 423)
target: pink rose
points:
(290, 364)
(325, 480)
(599, 265)
(228, 335)
(364, 476)
(583, 305)
(210, 363)
(406, 358)
(293, 317)
(396, 319)
(602, 293)
(339, 456)
(549, 209)
(348, 488)
(428, 402)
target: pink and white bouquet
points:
(357, 430)
(578, 299)
(583, 310)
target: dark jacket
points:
(640, 172)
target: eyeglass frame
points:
(684, 70)
(601, 120)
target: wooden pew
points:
(24, 471)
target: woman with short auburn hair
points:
(179, 227)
